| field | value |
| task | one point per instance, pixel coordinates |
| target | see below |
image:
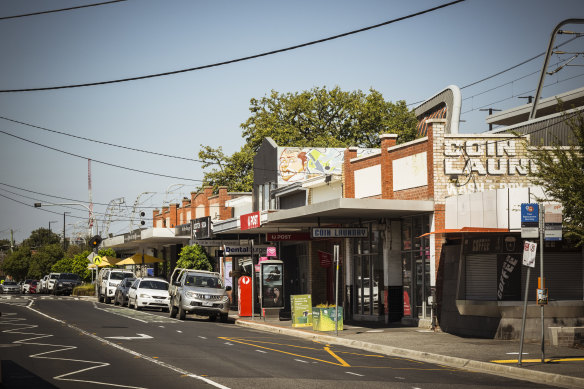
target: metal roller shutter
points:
(481, 277)
(563, 273)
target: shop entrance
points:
(416, 266)
(368, 277)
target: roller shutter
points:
(481, 276)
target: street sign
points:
(553, 222)
(529, 253)
(97, 260)
(529, 220)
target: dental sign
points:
(482, 157)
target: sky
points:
(408, 60)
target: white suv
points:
(51, 282)
(107, 282)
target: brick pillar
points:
(348, 173)
(173, 214)
(207, 192)
(155, 217)
(387, 141)
(224, 211)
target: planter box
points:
(323, 319)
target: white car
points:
(149, 292)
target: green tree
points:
(194, 257)
(41, 237)
(561, 173)
(76, 264)
(315, 118)
(16, 264)
(43, 259)
(109, 252)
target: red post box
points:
(245, 296)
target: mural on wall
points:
(300, 163)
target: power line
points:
(97, 161)
(59, 10)
(311, 43)
(505, 70)
(101, 142)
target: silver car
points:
(10, 287)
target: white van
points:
(107, 282)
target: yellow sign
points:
(97, 260)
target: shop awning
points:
(136, 259)
(466, 230)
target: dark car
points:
(121, 294)
(65, 283)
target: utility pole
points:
(491, 110)
(11, 241)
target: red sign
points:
(286, 236)
(326, 259)
(249, 221)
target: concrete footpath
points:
(564, 366)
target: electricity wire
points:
(264, 54)
(59, 10)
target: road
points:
(66, 342)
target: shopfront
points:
(368, 278)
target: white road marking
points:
(348, 372)
(101, 364)
(179, 331)
(202, 337)
(517, 353)
(140, 336)
(300, 360)
(399, 378)
(262, 351)
(229, 344)
(374, 331)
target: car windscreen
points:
(69, 276)
(119, 276)
(54, 276)
(129, 282)
(158, 285)
(203, 281)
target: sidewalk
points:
(564, 366)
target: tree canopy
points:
(194, 257)
(317, 118)
(561, 173)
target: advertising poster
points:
(272, 274)
(301, 310)
(509, 277)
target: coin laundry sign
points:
(482, 157)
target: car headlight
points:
(225, 299)
(112, 284)
(60, 284)
(144, 296)
(192, 295)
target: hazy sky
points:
(409, 60)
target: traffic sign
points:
(529, 220)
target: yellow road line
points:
(343, 363)
(575, 359)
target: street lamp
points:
(39, 205)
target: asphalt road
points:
(65, 342)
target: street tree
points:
(561, 173)
(41, 237)
(16, 264)
(315, 118)
(43, 259)
(194, 257)
(76, 264)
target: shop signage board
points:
(183, 229)
(249, 221)
(271, 251)
(287, 236)
(529, 220)
(201, 227)
(339, 232)
(326, 259)
(238, 250)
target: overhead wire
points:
(241, 59)
(98, 161)
(59, 10)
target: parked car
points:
(198, 291)
(121, 294)
(25, 285)
(107, 282)
(148, 292)
(51, 282)
(10, 287)
(43, 284)
(33, 287)
(65, 283)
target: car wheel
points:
(212, 317)
(172, 311)
(116, 302)
(181, 312)
(138, 308)
(108, 300)
(99, 297)
(224, 317)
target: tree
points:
(43, 259)
(194, 257)
(76, 264)
(41, 237)
(315, 118)
(16, 263)
(561, 173)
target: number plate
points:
(159, 301)
(207, 304)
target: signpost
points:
(529, 252)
